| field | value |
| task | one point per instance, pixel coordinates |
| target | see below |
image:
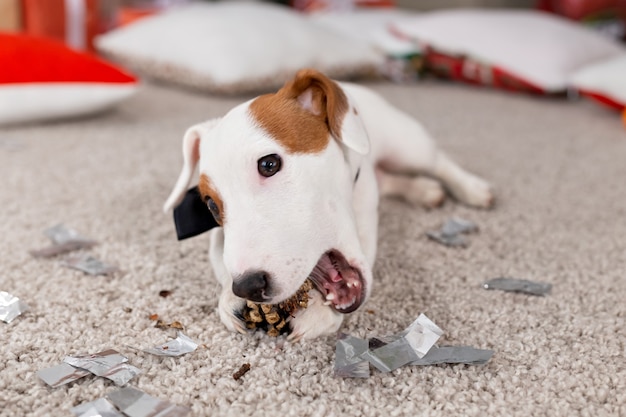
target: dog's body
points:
(294, 180)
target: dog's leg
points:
(408, 149)
(401, 145)
(418, 190)
(230, 306)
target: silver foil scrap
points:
(405, 347)
(348, 360)
(134, 403)
(108, 364)
(518, 285)
(90, 265)
(61, 374)
(10, 307)
(63, 240)
(175, 347)
(455, 354)
(98, 408)
(414, 346)
(129, 402)
(60, 234)
(452, 231)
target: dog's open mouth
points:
(341, 284)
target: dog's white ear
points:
(191, 155)
(323, 97)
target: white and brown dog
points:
(294, 178)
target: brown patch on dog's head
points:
(207, 190)
(304, 113)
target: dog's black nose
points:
(253, 286)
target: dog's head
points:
(277, 173)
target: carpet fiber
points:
(558, 168)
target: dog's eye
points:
(269, 165)
(214, 209)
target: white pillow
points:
(371, 26)
(604, 81)
(235, 47)
(537, 48)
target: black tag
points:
(192, 216)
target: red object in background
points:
(26, 59)
(584, 9)
(318, 5)
(128, 15)
(461, 68)
(602, 99)
(624, 117)
(74, 22)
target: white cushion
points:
(542, 49)
(20, 103)
(234, 47)
(371, 26)
(606, 79)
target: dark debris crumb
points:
(241, 372)
(165, 293)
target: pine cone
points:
(273, 318)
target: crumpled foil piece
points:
(98, 408)
(54, 250)
(62, 374)
(408, 346)
(518, 285)
(60, 235)
(10, 307)
(90, 265)
(413, 346)
(135, 403)
(348, 360)
(175, 347)
(109, 364)
(64, 240)
(457, 225)
(455, 354)
(450, 234)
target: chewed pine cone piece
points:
(273, 318)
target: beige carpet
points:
(559, 169)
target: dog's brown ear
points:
(191, 156)
(324, 98)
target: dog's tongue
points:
(342, 284)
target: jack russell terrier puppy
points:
(294, 178)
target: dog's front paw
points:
(315, 320)
(475, 191)
(230, 308)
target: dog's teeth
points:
(330, 296)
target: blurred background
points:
(58, 18)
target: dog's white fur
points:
(283, 224)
